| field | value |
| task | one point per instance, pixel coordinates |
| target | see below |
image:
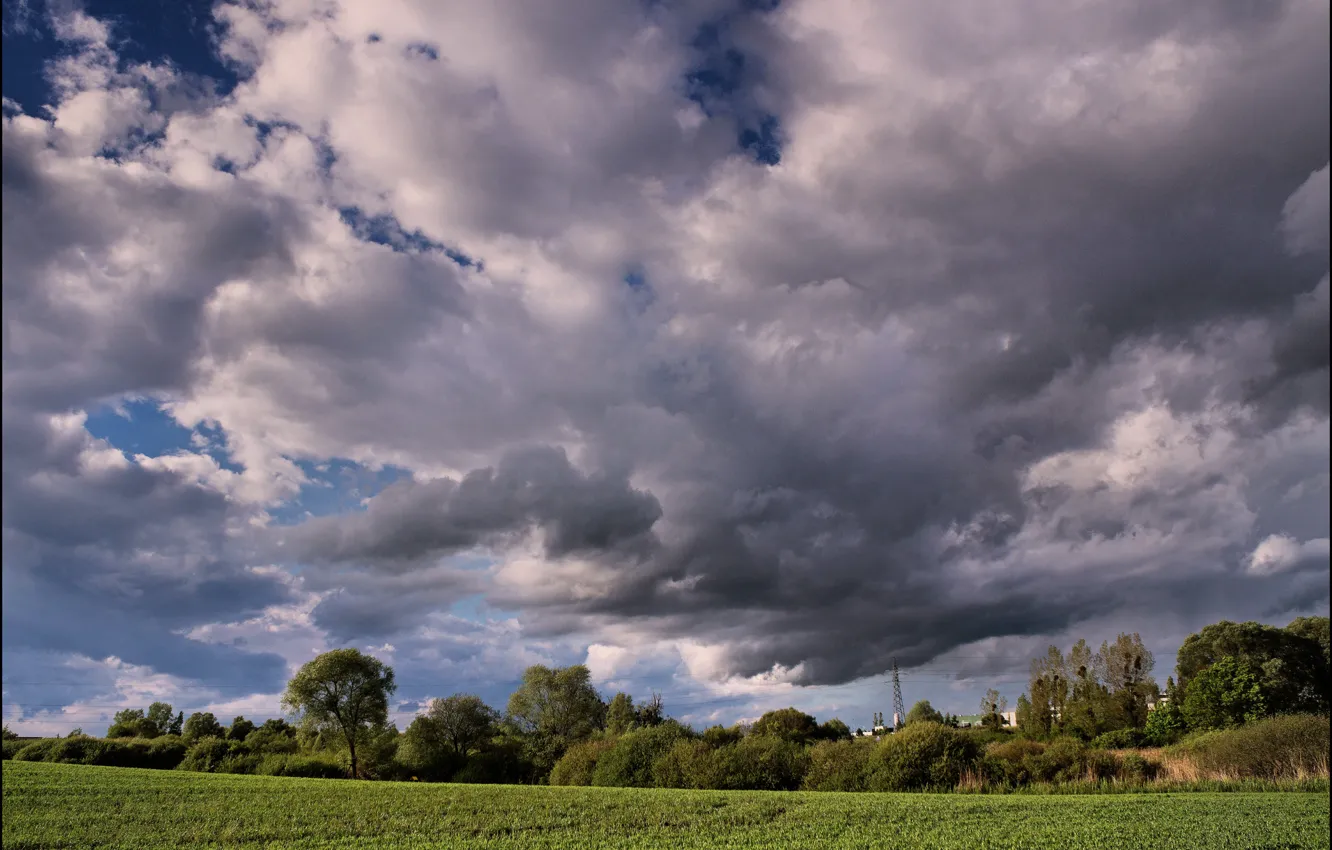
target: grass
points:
(56, 805)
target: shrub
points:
(165, 753)
(838, 766)
(759, 763)
(1290, 747)
(922, 756)
(577, 764)
(267, 739)
(1134, 768)
(790, 724)
(1005, 763)
(12, 747)
(1064, 760)
(309, 767)
(503, 762)
(628, 763)
(687, 764)
(36, 750)
(206, 755)
(1165, 725)
(1120, 739)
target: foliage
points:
(555, 707)
(690, 763)
(1223, 695)
(306, 766)
(833, 730)
(921, 756)
(50, 805)
(425, 752)
(161, 715)
(923, 712)
(720, 736)
(210, 755)
(201, 724)
(342, 690)
(1277, 747)
(578, 763)
(759, 763)
(1165, 724)
(620, 714)
(789, 724)
(628, 763)
(267, 739)
(240, 729)
(838, 766)
(133, 723)
(9, 734)
(463, 721)
(1119, 739)
(1291, 664)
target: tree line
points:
(556, 727)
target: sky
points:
(734, 349)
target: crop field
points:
(53, 805)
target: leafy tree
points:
(719, 736)
(650, 713)
(132, 723)
(343, 691)
(923, 712)
(464, 721)
(1226, 694)
(789, 724)
(240, 729)
(176, 726)
(834, 730)
(77, 732)
(620, 714)
(9, 734)
(1125, 670)
(555, 707)
(427, 752)
(201, 724)
(1165, 724)
(993, 706)
(1291, 664)
(160, 714)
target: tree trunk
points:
(351, 743)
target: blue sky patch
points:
(181, 32)
(388, 231)
(335, 486)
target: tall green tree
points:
(239, 729)
(177, 725)
(201, 724)
(160, 713)
(553, 708)
(922, 712)
(993, 707)
(620, 714)
(464, 721)
(1291, 663)
(789, 724)
(342, 690)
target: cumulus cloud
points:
(791, 339)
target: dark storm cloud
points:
(536, 487)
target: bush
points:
(579, 762)
(309, 767)
(1287, 747)
(36, 750)
(628, 763)
(1005, 763)
(207, 755)
(12, 747)
(922, 756)
(838, 766)
(1165, 725)
(759, 763)
(266, 740)
(503, 763)
(1134, 768)
(687, 764)
(1120, 739)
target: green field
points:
(54, 805)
